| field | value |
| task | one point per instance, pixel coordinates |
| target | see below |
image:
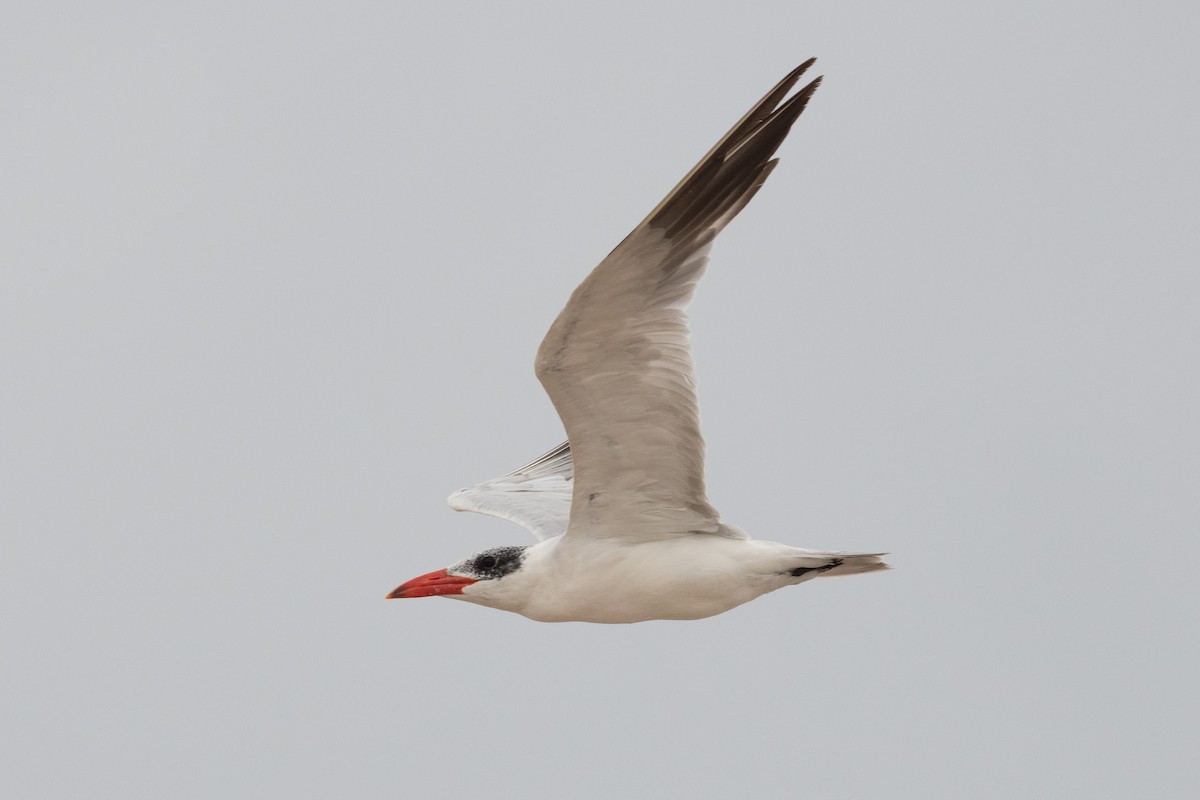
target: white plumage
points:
(537, 496)
(627, 532)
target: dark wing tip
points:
(802, 97)
(763, 110)
(800, 70)
(725, 180)
(773, 131)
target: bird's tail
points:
(817, 564)
(856, 563)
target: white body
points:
(688, 577)
(627, 531)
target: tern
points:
(625, 529)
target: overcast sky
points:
(273, 278)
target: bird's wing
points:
(537, 496)
(617, 362)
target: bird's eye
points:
(486, 562)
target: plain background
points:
(273, 278)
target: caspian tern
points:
(625, 528)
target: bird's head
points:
(479, 578)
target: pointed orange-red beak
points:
(430, 585)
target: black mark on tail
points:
(798, 571)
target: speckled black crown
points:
(495, 563)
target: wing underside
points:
(536, 496)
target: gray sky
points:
(273, 278)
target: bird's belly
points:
(623, 594)
(616, 613)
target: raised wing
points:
(537, 496)
(617, 363)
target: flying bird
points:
(625, 527)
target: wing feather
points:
(617, 362)
(536, 496)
